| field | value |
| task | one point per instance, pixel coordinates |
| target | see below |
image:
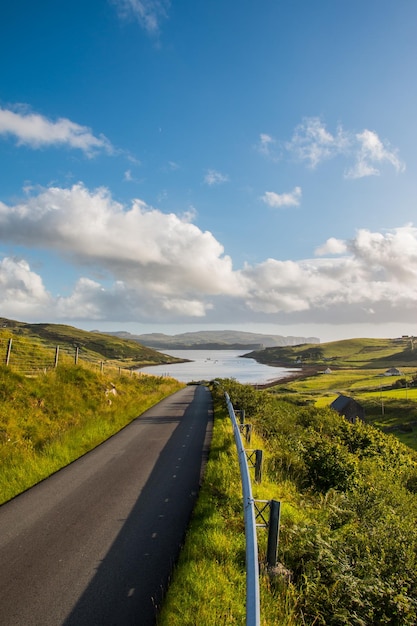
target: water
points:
(209, 364)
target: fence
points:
(254, 509)
(31, 357)
(253, 616)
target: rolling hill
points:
(358, 353)
(93, 346)
(215, 340)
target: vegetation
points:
(358, 353)
(348, 539)
(215, 340)
(49, 420)
(40, 340)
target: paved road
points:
(94, 544)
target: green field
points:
(357, 353)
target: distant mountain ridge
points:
(215, 340)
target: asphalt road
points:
(95, 543)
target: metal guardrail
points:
(253, 617)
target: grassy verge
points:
(52, 419)
(209, 583)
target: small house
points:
(349, 408)
(393, 371)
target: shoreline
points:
(304, 372)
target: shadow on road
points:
(130, 582)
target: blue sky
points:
(170, 166)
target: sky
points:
(171, 166)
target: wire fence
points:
(32, 357)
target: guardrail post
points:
(247, 429)
(273, 532)
(258, 465)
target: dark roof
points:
(341, 402)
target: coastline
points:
(304, 372)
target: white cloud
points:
(37, 131)
(213, 177)
(332, 246)
(277, 200)
(160, 256)
(22, 291)
(149, 13)
(265, 144)
(371, 153)
(139, 264)
(312, 143)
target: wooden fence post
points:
(76, 356)
(56, 356)
(258, 465)
(9, 349)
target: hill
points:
(215, 340)
(358, 353)
(92, 346)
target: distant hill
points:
(362, 353)
(94, 346)
(215, 340)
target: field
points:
(355, 368)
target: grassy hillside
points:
(41, 339)
(347, 550)
(47, 421)
(364, 353)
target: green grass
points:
(49, 420)
(358, 353)
(209, 583)
(388, 408)
(34, 345)
(348, 542)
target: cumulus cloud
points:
(312, 143)
(148, 13)
(332, 246)
(213, 177)
(22, 291)
(36, 131)
(281, 200)
(160, 256)
(137, 263)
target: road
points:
(95, 543)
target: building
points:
(349, 408)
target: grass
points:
(49, 420)
(349, 543)
(33, 347)
(358, 353)
(388, 408)
(209, 583)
